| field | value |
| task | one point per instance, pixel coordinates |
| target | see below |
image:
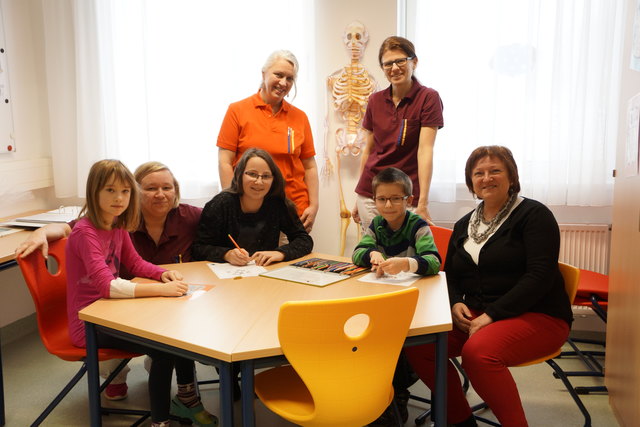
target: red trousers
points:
(486, 357)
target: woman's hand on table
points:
(237, 256)
(171, 275)
(267, 257)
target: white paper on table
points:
(6, 231)
(196, 291)
(401, 279)
(228, 271)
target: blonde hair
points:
(151, 167)
(101, 174)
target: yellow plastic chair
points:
(342, 353)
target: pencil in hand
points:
(233, 241)
(241, 257)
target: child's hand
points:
(376, 259)
(237, 257)
(36, 240)
(267, 257)
(171, 275)
(173, 288)
(392, 266)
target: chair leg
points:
(572, 392)
(67, 388)
(591, 389)
(144, 414)
(422, 418)
(113, 374)
(465, 378)
(480, 407)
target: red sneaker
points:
(116, 391)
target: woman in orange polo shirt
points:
(265, 120)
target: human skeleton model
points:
(350, 88)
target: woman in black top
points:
(507, 296)
(252, 211)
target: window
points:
(540, 77)
(154, 78)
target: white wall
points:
(29, 166)
(332, 16)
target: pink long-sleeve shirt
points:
(94, 258)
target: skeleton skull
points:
(355, 39)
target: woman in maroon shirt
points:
(401, 123)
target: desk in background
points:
(239, 323)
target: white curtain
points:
(151, 80)
(538, 76)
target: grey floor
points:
(32, 377)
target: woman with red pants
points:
(507, 296)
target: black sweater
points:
(517, 269)
(259, 231)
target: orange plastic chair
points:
(341, 366)
(593, 292)
(441, 237)
(49, 293)
(571, 276)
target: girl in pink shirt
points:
(97, 248)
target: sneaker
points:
(197, 414)
(116, 391)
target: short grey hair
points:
(288, 56)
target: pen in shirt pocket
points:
(403, 132)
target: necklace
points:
(491, 225)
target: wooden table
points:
(237, 321)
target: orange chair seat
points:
(593, 283)
(65, 350)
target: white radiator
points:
(586, 246)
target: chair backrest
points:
(49, 293)
(441, 237)
(346, 363)
(571, 276)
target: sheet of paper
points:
(23, 224)
(6, 231)
(196, 291)
(305, 276)
(228, 271)
(400, 279)
(62, 214)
